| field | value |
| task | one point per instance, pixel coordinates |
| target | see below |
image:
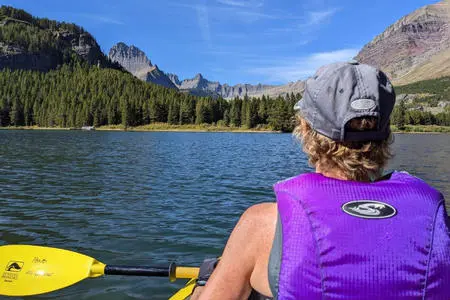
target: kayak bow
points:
(186, 291)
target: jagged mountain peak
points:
(135, 61)
(130, 57)
(174, 78)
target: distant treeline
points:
(431, 92)
(78, 95)
(440, 87)
(401, 116)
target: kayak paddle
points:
(30, 270)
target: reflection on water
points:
(150, 198)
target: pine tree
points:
(235, 112)
(401, 121)
(245, 113)
(226, 117)
(174, 113)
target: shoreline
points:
(410, 129)
(162, 127)
(146, 128)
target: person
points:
(346, 231)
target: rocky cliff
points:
(32, 43)
(15, 57)
(137, 63)
(414, 48)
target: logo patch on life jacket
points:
(369, 209)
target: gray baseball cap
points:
(340, 92)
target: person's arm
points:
(231, 278)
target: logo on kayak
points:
(14, 266)
(369, 209)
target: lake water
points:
(148, 198)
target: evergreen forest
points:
(78, 94)
(81, 95)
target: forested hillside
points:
(78, 85)
(425, 95)
(439, 87)
(78, 95)
(41, 44)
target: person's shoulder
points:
(260, 212)
(259, 220)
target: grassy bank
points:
(422, 129)
(187, 127)
(34, 128)
(216, 128)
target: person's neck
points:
(332, 173)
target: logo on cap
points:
(369, 209)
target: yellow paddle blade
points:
(29, 270)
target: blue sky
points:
(232, 41)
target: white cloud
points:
(298, 68)
(243, 11)
(309, 23)
(242, 3)
(318, 17)
(257, 15)
(203, 23)
(102, 19)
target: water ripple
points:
(150, 198)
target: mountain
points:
(31, 43)
(416, 47)
(202, 87)
(137, 63)
(61, 78)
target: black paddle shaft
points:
(142, 271)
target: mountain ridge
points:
(414, 48)
(136, 62)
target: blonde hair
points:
(360, 161)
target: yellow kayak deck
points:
(186, 291)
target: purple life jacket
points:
(339, 239)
